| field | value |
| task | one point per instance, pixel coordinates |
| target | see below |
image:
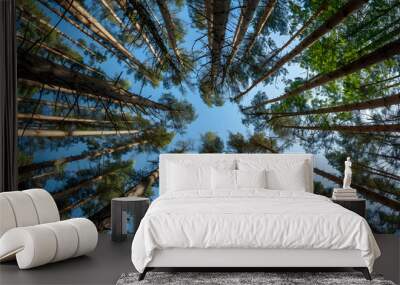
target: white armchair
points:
(31, 230)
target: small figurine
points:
(347, 174)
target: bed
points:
(245, 211)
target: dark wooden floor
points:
(103, 266)
(110, 260)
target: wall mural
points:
(106, 85)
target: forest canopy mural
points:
(104, 86)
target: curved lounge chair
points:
(31, 231)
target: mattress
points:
(250, 219)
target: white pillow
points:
(183, 178)
(282, 174)
(288, 176)
(224, 179)
(251, 178)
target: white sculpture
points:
(347, 174)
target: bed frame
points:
(247, 259)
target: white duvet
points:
(250, 219)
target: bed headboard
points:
(212, 158)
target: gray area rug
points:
(228, 278)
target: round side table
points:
(121, 208)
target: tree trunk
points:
(57, 119)
(39, 177)
(368, 193)
(102, 217)
(208, 7)
(269, 8)
(90, 35)
(86, 32)
(170, 26)
(35, 68)
(147, 22)
(384, 155)
(62, 134)
(79, 203)
(65, 193)
(31, 18)
(220, 19)
(349, 129)
(370, 104)
(56, 105)
(147, 182)
(267, 147)
(140, 31)
(246, 15)
(376, 171)
(59, 53)
(364, 86)
(110, 10)
(379, 55)
(35, 84)
(23, 179)
(350, 7)
(80, 13)
(317, 13)
(61, 119)
(61, 161)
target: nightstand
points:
(121, 209)
(356, 205)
